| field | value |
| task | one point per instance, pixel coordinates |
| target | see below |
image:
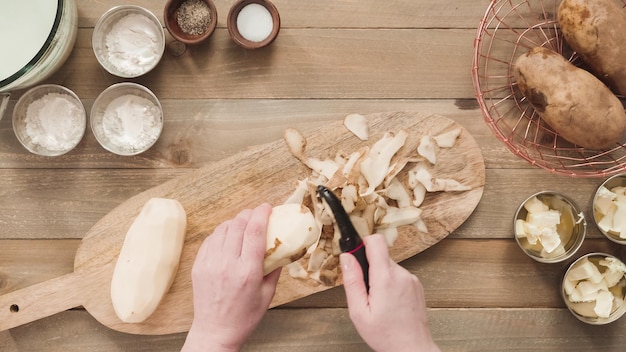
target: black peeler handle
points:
(350, 241)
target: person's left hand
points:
(230, 294)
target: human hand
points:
(230, 294)
(392, 317)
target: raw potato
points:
(148, 260)
(596, 30)
(291, 230)
(576, 104)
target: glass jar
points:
(47, 36)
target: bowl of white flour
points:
(49, 120)
(128, 41)
(126, 118)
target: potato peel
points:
(380, 187)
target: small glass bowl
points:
(39, 132)
(126, 119)
(170, 16)
(104, 25)
(233, 29)
(618, 180)
(578, 309)
(572, 224)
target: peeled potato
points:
(149, 259)
(291, 230)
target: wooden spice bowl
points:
(170, 15)
(238, 38)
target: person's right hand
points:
(392, 316)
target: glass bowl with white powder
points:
(128, 41)
(126, 119)
(49, 120)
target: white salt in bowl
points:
(49, 120)
(124, 52)
(126, 119)
(259, 21)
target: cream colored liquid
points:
(24, 29)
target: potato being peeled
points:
(576, 104)
(596, 30)
(291, 230)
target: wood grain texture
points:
(336, 13)
(333, 57)
(330, 330)
(315, 63)
(215, 193)
(200, 131)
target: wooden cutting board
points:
(215, 193)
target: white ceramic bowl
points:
(126, 119)
(49, 120)
(123, 52)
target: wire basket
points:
(509, 29)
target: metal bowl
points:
(611, 183)
(572, 228)
(127, 119)
(128, 56)
(49, 120)
(584, 310)
(509, 29)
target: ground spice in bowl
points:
(194, 17)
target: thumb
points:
(268, 287)
(353, 283)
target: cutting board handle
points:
(43, 299)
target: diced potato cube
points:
(606, 223)
(548, 218)
(613, 264)
(550, 239)
(559, 250)
(578, 296)
(584, 269)
(619, 220)
(534, 205)
(620, 192)
(569, 286)
(604, 200)
(520, 231)
(612, 278)
(588, 288)
(604, 304)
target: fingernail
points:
(345, 262)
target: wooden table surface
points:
(332, 57)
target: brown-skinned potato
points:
(596, 30)
(576, 104)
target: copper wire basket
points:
(509, 29)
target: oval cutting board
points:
(215, 193)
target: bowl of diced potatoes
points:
(594, 288)
(609, 208)
(549, 227)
